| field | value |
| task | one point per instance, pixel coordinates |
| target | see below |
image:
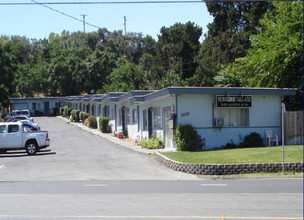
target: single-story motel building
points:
(219, 115)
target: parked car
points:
(20, 117)
(15, 113)
(17, 136)
(26, 112)
(12, 115)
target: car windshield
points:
(25, 112)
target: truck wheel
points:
(31, 148)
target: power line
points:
(67, 15)
(103, 3)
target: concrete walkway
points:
(113, 139)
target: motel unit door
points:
(166, 127)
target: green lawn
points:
(293, 153)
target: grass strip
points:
(293, 153)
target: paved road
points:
(78, 155)
(142, 199)
(83, 176)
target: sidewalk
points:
(112, 139)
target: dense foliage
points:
(151, 143)
(186, 138)
(248, 44)
(276, 56)
(104, 124)
(252, 140)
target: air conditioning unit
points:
(219, 122)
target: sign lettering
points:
(233, 101)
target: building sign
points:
(233, 101)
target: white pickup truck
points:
(15, 136)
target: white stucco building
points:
(219, 115)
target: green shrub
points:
(75, 115)
(83, 116)
(104, 124)
(152, 143)
(66, 111)
(230, 145)
(253, 140)
(185, 138)
(92, 122)
(61, 111)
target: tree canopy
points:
(248, 44)
(276, 56)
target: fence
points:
(293, 130)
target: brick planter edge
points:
(227, 169)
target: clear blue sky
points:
(36, 21)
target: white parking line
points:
(2, 166)
(96, 185)
(215, 184)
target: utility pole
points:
(83, 17)
(125, 24)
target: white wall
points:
(164, 102)
(197, 110)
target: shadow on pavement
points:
(24, 154)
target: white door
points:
(13, 137)
(166, 127)
(2, 136)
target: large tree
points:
(276, 56)
(176, 49)
(126, 77)
(228, 36)
(7, 69)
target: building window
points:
(157, 118)
(35, 106)
(145, 120)
(231, 117)
(134, 116)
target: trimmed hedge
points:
(75, 115)
(83, 116)
(92, 122)
(104, 124)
